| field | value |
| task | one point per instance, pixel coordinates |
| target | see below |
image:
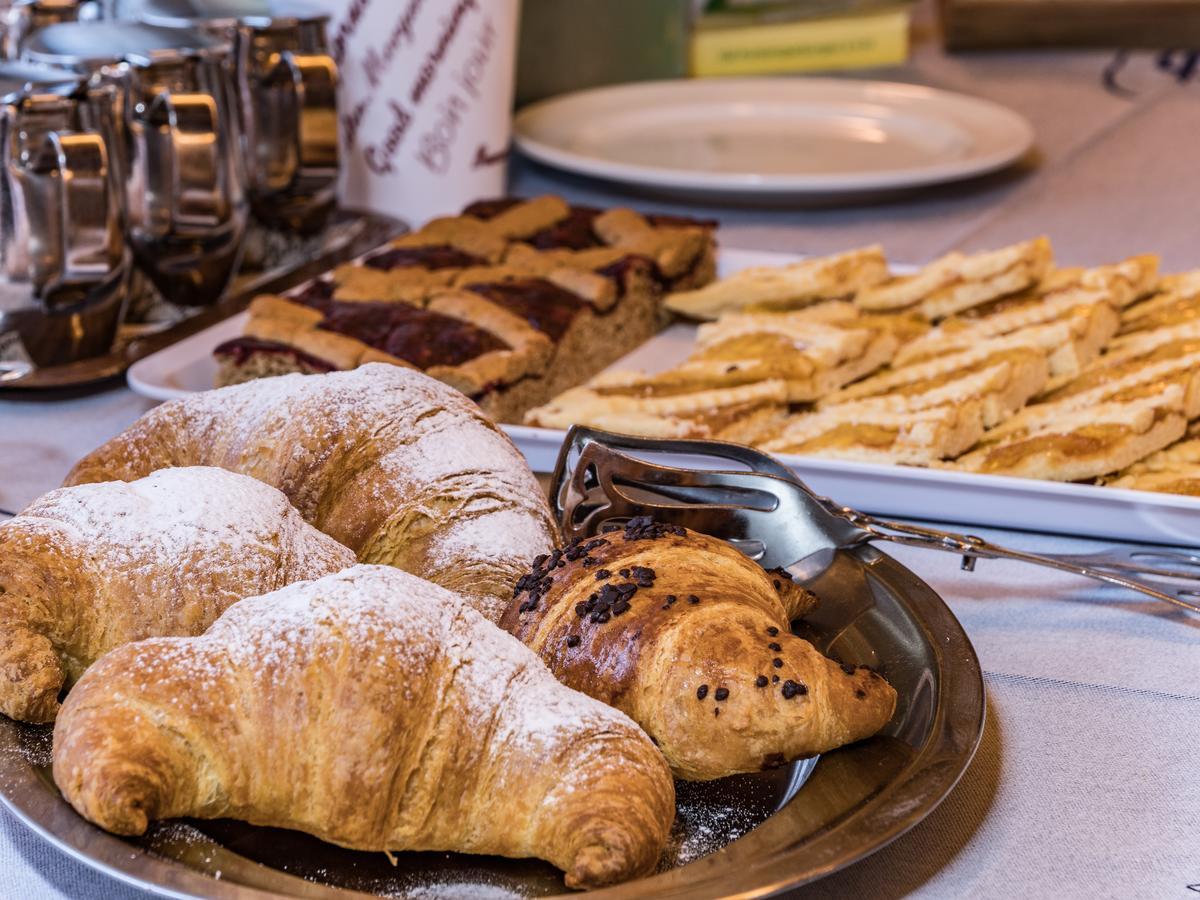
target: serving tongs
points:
(771, 515)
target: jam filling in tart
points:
(418, 336)
(544, 305)
(240, 349)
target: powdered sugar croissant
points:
(395, 465)
(373, 710)
(86, 569)
(692, 640)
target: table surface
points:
(1087, 783)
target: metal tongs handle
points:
(1100, 567)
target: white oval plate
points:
(760, 136)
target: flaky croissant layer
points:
(400, 468)
(374, 710)
(692, 640)
(85, 569)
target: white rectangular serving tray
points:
(901, 491)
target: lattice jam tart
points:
(511, 302)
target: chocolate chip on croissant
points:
(374, 710)
(691, 639)
(85, 569)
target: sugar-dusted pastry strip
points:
(986, 276)
(901, 292)
(1145, 381)
(868, 434)
(695, 414)
(1087, 443)
(1001, 389)
(1092, 319)
(810, 357)
(1182, 480)
(956, 282)
(1131, 353)
(1025, 374)
(1175, 470)
(1120, 283)
(785, 287)
(1177, 302)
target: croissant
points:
(374, 710)
(395, 465)
(691, 639)
(89, 568)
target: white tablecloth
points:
(1087, 783)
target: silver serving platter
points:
(747, 836)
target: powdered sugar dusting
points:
(415, 446)
(169, 552)
(400, 621)
(458, 891)
(176, 512)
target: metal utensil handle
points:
(971, 547)
(83, 242)
(188, 129)
(91, 232)
(315, 77)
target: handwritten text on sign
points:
(426, 98)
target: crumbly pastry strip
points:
(901, 292)
(462, 739)
(691, 639)
(986, 276)
(1000, 390)
(677, 415)
(867, 433)
(1087, 443)
(399, 467)
(1174, 470)
(86, 569)
(810, 357)
(1177, 302)
(784, 287)
(1145, 381)
(1130, 346)
(1093, 311)
(1133, 353)
(1183, 479)
(957, 282)
(1127, 281)
(1026, 374)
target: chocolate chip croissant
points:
(400, 468)
(692, 640)
(89, 568)
(374, 710)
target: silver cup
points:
(64, 265)
(287, 101)
(184, 180)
